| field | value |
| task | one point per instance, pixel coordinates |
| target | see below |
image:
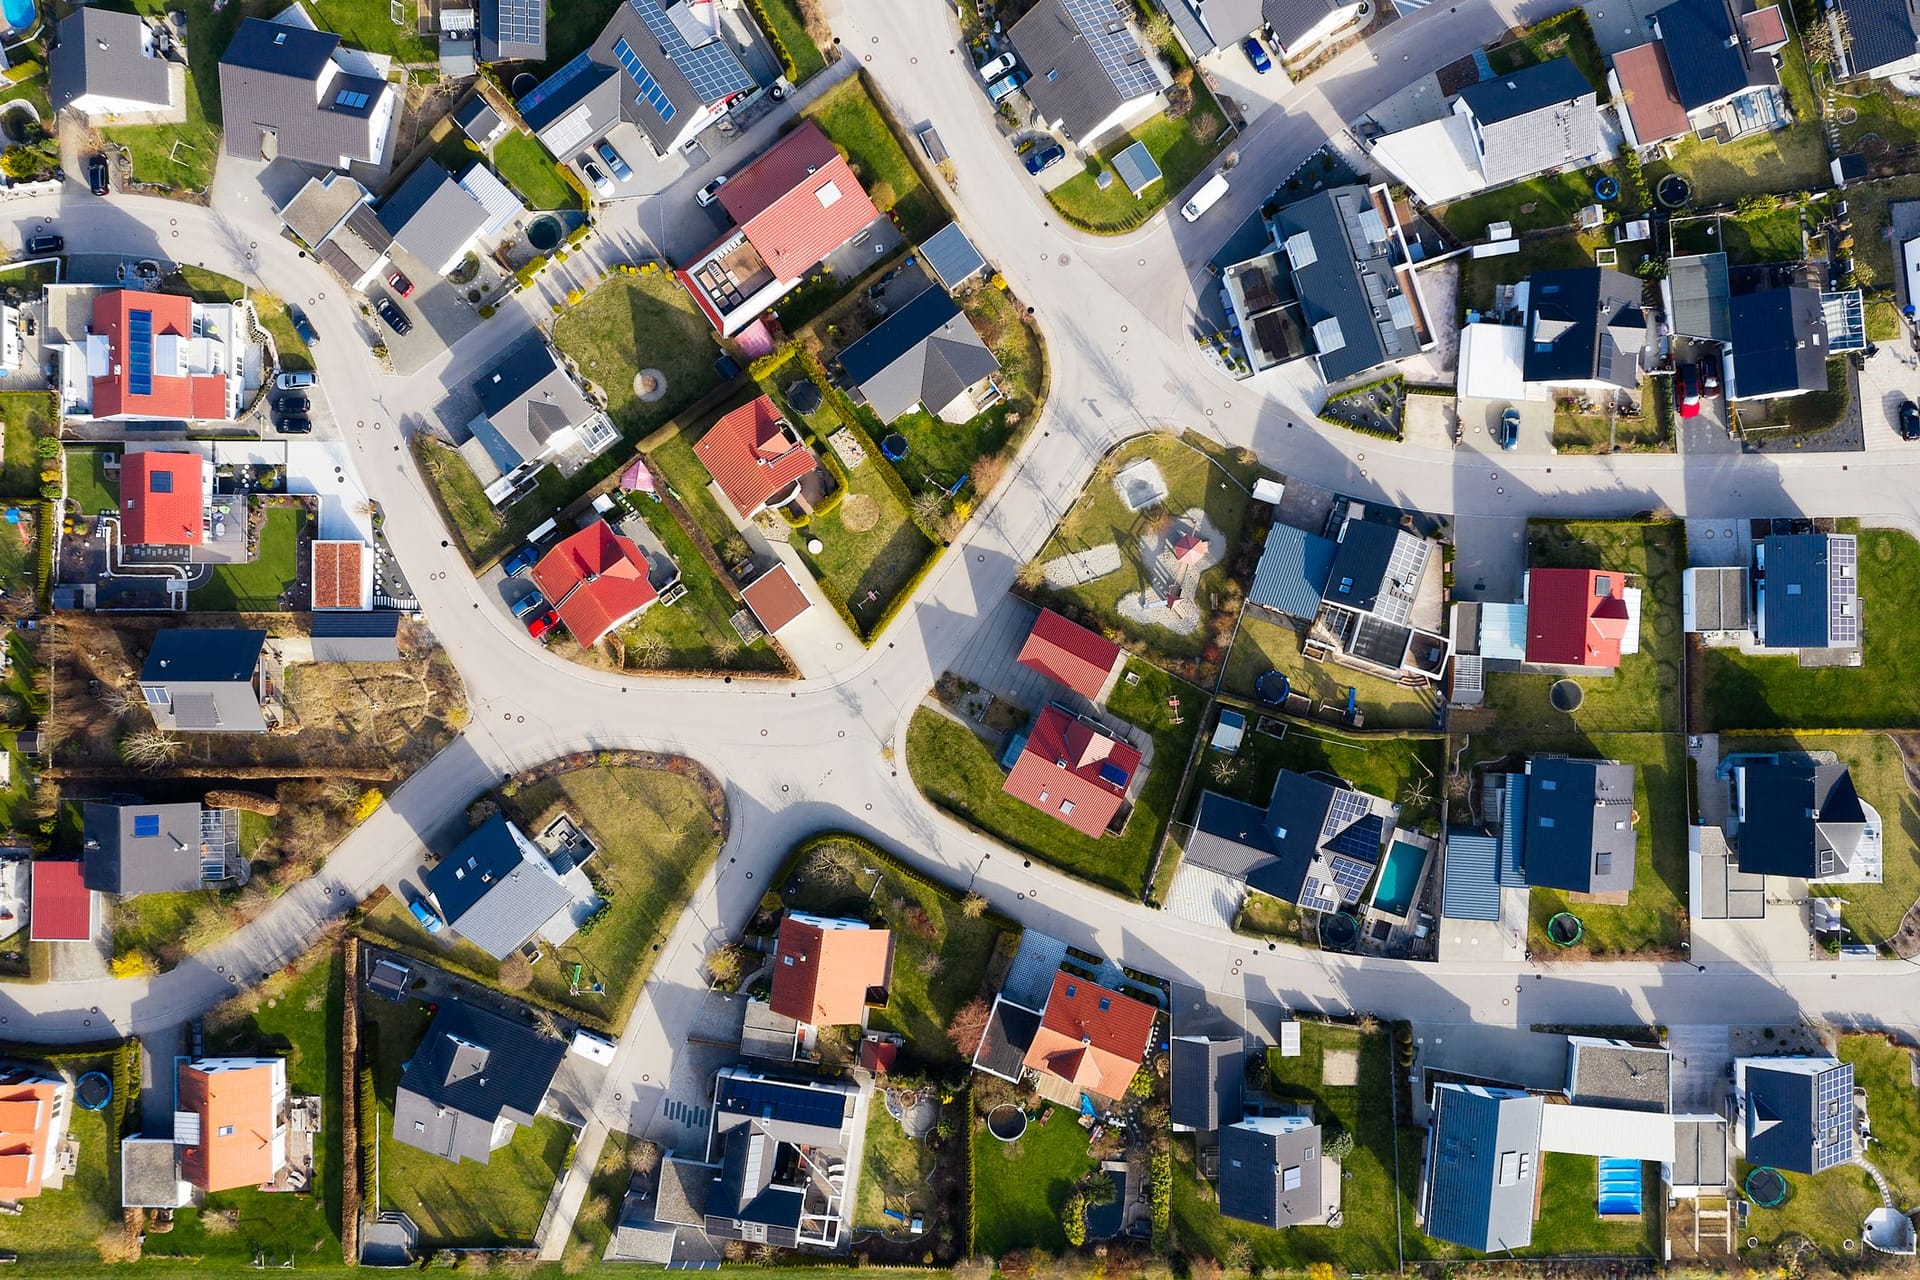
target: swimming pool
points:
(1399, 877)
(1619, 1187)
(19, 15)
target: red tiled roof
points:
(1646, 82)
(1069, 654)
(754, 456)
(878, 1056)
(165, 512)
(596, 579)
(1090, 1036)
(1765, 28)
(59, 906)
(775, 598)
(821, 974)
(241, 1101)
(1575, 617)
(798, 202)
(192, 396)
(336, 575)
(1061, 767)
(26, 1132)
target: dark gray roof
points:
(431, 216)
(102, 51)
(1700, 1152)
(1270, 1172)
(513, 30)
(150, 1173)
(951, 256)
(1580, 834)
(1470, 888)
(1078, 80)
(1584, 324)
(1707, 50)
(528, 397)
(201, 680)
(280, 48)
(281, 80)
(477, 118)
(1779, 343)
(1291, 19)
(1341, 254)
(472, 1068)
(1880, 33)
(927, 353)
(1358, 574)
(1802, 818)
(1798, 585)
(1205, 1081)
(132, 848)
(1187, 23)
(1292, 572)
(1698, 284)
(1624, 1077)
(496, 888)
(350, 635)
(580, 80)
(1307, 819)
(1523, 92)
(806, 1113)
(1538, 118)
(681, 1194)
(1010, 1032)
(1799, 1113)
(1483, 1157)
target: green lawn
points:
(893, 1172)
(482, 535)
(1182, 148)
(1792, 159)
(1262, 646)
(866, 568)
(1774, 692)
(1401, 769)
(696, 628)
(1867, 203)
(26, 280)
(25, 416)
(674, 461)
(146, 923)
(1770, 237)
(781, 20)
(954, 768)
(1643, 695)
(1480, 277)
(1567, 34)
(257, 585)
(858, 126)
(368, 24)
(211, 286)
(1019, 1188)
(62, 1226)
(1825, 1208)
(1364, 1242)
(656, 837)
(571, 27)
(1570, 1223)
(181, 155)
(1885, 1071)
(1551, 200)
(640, 322)
(525, 164)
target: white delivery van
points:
(1205, 198)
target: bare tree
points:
(726, 650)
(1031, 574)
(973, 906)
(515, 973)
(929, 507)
(150, 748)
(119, 701)
(647, 652)
(969, 1026)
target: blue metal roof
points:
(1293, 571)
(1470, 886)
(1513, 836)
(952, 256)
(1473, 1200)
(1794, 593)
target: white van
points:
(1205, 198)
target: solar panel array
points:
(1102, 23)
(1314, 896)
(521, 21)
(711, 69)
(1348, 807)
(351, 99)
(1404, 567)
(558, 80)
(1843, 585)
(140, 353)
(772, 1100)
(1360, 840)
(650, 91)
(1350, 878)
(1833, 1118)
(146, 824)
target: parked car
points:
(294, 426)
(601, 184)
(303, 326)
(527, 603)
(44, 242)
(711, 192)
(1510, 428)
(1044, 157)
(992, 71)
(429, 919)
(97, 177)
(1205, 198)
(1689, 379)
(1257, 54)
(295, 404)
(621, 169)
(289, 381)
(521, 561)
(541, 623)
(396, 318)
(1909, 420)
(1710, 372)
(399, 283)
(1006, 86)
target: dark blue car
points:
(1257, 54)
(303, 326)
(521, 561)
(1044, 157)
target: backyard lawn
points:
(1643, 695)
(695, 629)
(1885, 1071)
(1262, 646)
(1880, 111)
(571, 27)
(674, 461)
(1568, 34)
(1769, 237)
(872, 547)
(258, 585)
(640, 322)
(1741, 691)
(25, 416)
(1826, 1208)
(954, 768)
(1480, 277)
(1791, 159)
(1570, 1223)
(1551, 200)
(525, 164)
(59, 1229)
(858, 126)
(1019, 1188)
(181, 155)
(1405, 770)
(894, 1172)
(1182, 148)
(369, 24)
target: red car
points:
(399, 283)
(1689, 378)
(541, 623)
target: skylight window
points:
(829, 195)
(146, 824)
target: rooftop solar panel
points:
(1843, 613)
(522, 21)
(650, 91)
(1103, 24)
(140, 353)
(1350, 878)
(1360, 841)
(146, 824)
(772, 1100)
(581, 63)
(711, 69)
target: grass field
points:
(858, 126)
(525, 164)
(368, 24)
(61, 1227)
(1263, 646)
(181, 156)
(1885, 1071)
(1826, 1209)
(1393, 768)
(256, 586)
(1020, 1187)
(1183, 148)
(25, 416)
(640, 322)
(1568, 35)
(867, 568)
(1771, 237)
(211, 286)
(1551, 200)
(782, 21)
(893, 1172)
(695, 629)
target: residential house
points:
(513, 30)
(1585, 329)
(597, 580)
(1642, 82)
(497, 889)
(129, 848)
(1071, 655)
(951, 257)
(926, 355)
(1316, 844)
(1089, 1042)
(149, 356)
(1206, 1078)
(1878, 38)
(756, 457)
(60, 907)
(474, 1078)
(1794, 1114)
(230, 1122)
(657, 67)
(163, 499)
(371, 635)
(1336, 283)
(1478, 1187)
(321, 205)
(1073, 769)
(205, 680)
(1540, 119)
(775, 598)
(1580, 618)
(828, 972)
(297, 93)
(1271, 1172)
(1725, 75)
(1796, 816)
(1619, 1075)
(776, 1168)
(532, 413)
(1002, 1050)
(479, 121)
(792, 206)
(1780, 344)
(1375, 575)
(1579, 825)
(104, 65)
(36, 1107)
(342, 575)
(439, 221)
(1298, 28)
(1698, 297)
(1806, 591)
(1090, 75)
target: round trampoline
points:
(1273, 688)
(1606, 188)
(1766, 1187)
(545, 232)
(1565, 929)
(1339, 930)
(93, 1091)
(1674, 192)
(894, 447)
(523, 83)
(1006, 1122)
(1566, 695)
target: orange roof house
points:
(161, 500)
(827, 971)
(1072, 770)
(1069, 654)
(596, 579)
(1645, 79)
(1576, 617)
(230, 1122)
(798, 201)
(34, 1106)
(148, 368)
(1091, 1037)
(755, 457)
(775, 598)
